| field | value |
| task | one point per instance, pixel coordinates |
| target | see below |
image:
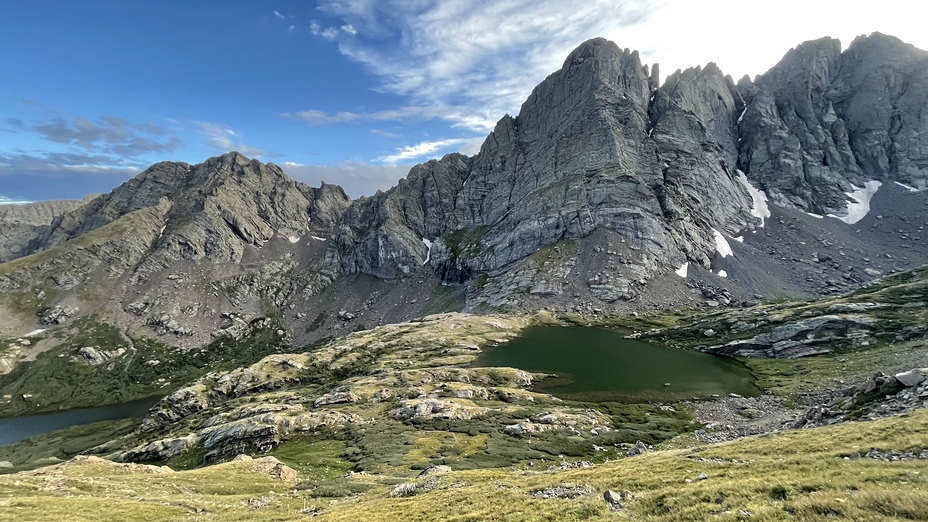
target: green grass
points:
(794, 475)
(790, 377)
(63, 444)
(55, 381)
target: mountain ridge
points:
(605, 187)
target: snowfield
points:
(860, 205)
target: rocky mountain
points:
(610, 190)
(20, 224)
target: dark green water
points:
(597, 364)
(16, 429)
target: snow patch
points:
(317, 238)
(682, 270)
(816, 216)
(294, 239)
(861, 202)
(723, 273)
(907, 187)
(739, 239)
(721, 244)
(759, 209)
(34, 332)
(428, 254)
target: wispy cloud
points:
(476, 64)
(9, 201)
(317, 117)
(223, 138)
(419, 150)
(21, 163)
(110, 134)
(385, 134)
(278, 15)
(332, 32)
(38, 175)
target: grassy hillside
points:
(797, 475)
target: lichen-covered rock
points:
(160, 449)
(445, 409)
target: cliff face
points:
(596, 146)
(609, 188)
(600, 145)
(822, 120)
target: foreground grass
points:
(796, 475)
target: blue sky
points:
(351, 92)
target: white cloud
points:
(349, 30)
(483, 62)
(477, 64)
(355, 177)
(224, 138)
(333, 32)
(278, 15)
(317, 117)
(8, 201)
(385, 134)
(425, 148)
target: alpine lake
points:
(15, 429)
(601, 365)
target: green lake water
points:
(598, 364)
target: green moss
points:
(466, 242)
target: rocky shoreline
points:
(880, 396)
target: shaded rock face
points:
(822, 120)
(20, 224)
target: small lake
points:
(16, 429)
(598, 364)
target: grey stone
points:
(912, 377)
(638, 449)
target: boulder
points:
(912, 377)
(638, 449)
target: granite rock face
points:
(217, 209)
